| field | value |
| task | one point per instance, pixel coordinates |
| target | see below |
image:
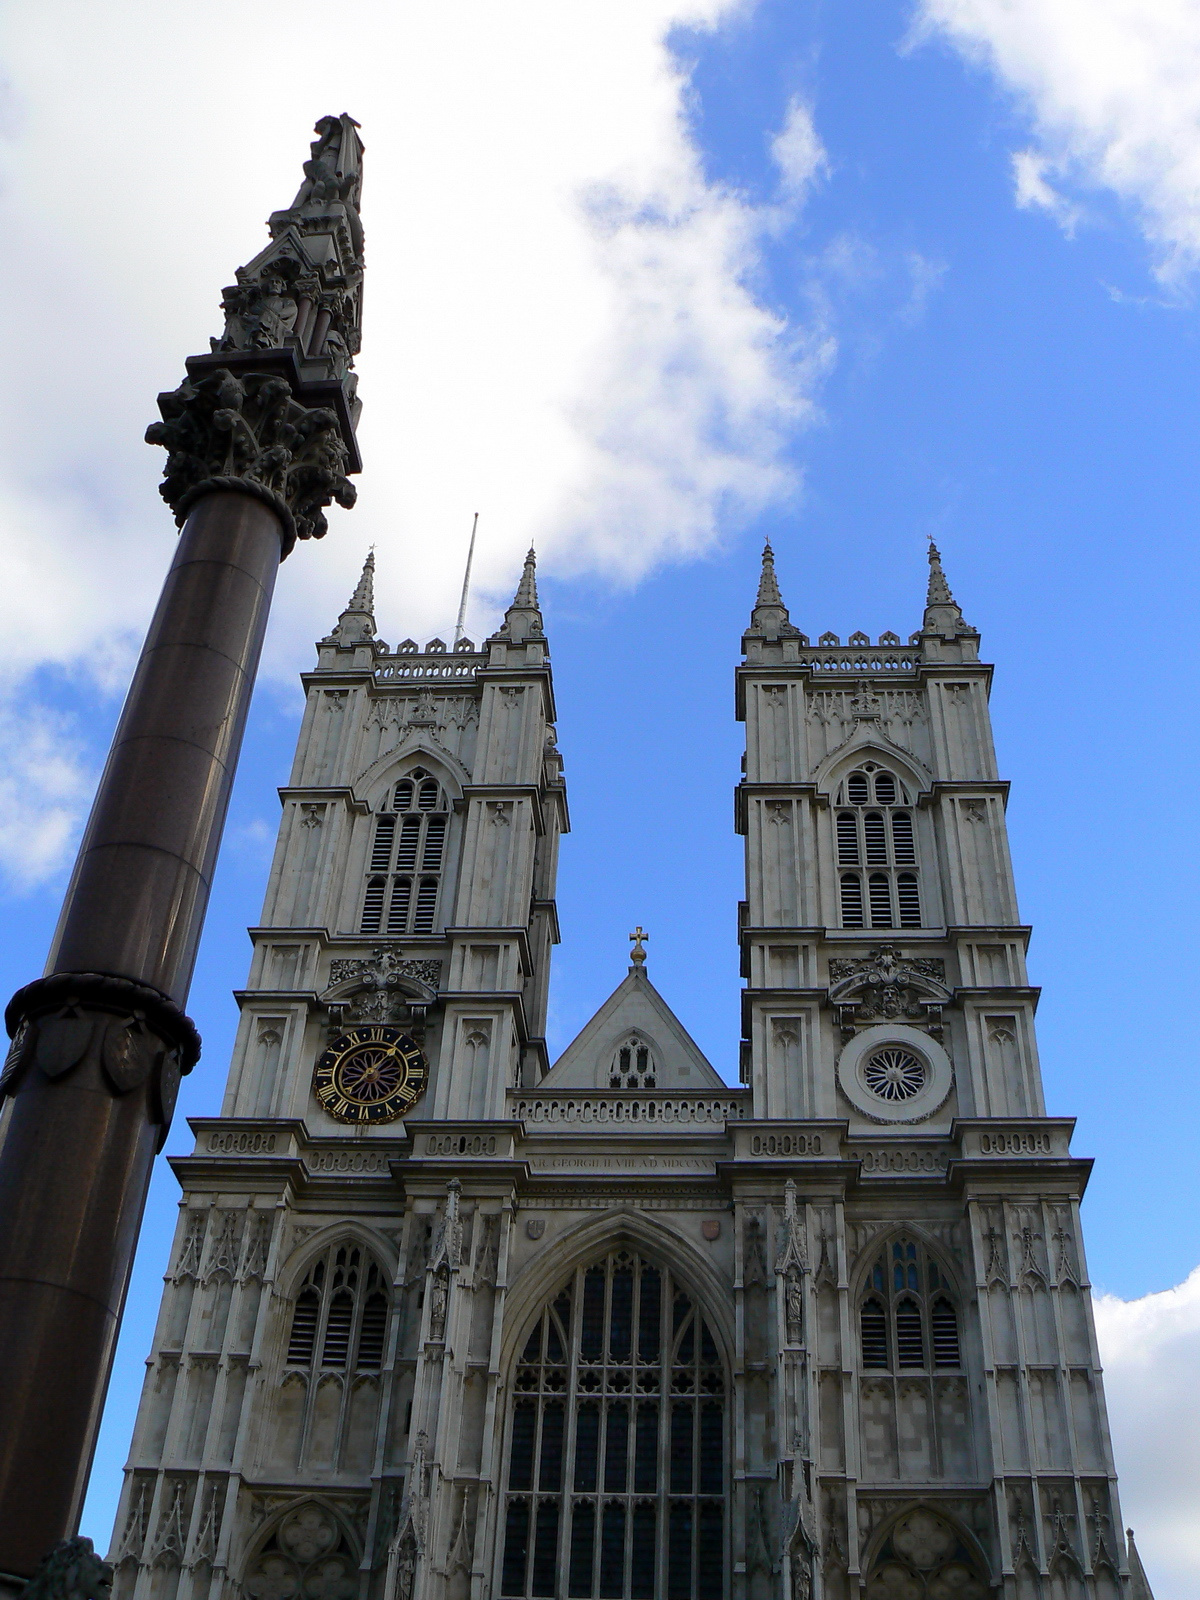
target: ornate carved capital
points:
(250, 433)
(71, 1571)
(126, 1030)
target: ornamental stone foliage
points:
(272, 411)
(252, 435)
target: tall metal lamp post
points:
(260, 438)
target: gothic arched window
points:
(339, 1321)
(908, 1315)
(877, 833)
(632, 1065)
(408, 851)
(616, 1475)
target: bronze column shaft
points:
(78, 1141)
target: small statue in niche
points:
(437, 1307)
(795, 1309)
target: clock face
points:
(370, 1074)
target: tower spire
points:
(363, 598)
(356, 625)
(769, 616)
(523, 619)
(939, 590)
(942, 613)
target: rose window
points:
(894, 1073)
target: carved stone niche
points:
(888, 986)
(381, 988)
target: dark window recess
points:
(371, 1335)
(909, 897)
(612, 1553)
(641, 1583)
(874, 1334)
(550, 1470)
(426, 906)
(880, 838)
(910, 1345)
(340, 1313)
(398, 909)
(520, 1469)
(304, 1328)
(516, 1547)
(847, 838)
(945, 1335)
(852, 903)
(373, 905)
(337, 1330)
(908, 1317)
(583, 1538)
(411, 837)
(904, 850)
(381, 851)
(875, 835)
(631, 1504)
(545, 1549)
(879, 894)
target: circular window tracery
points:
(895, 1074)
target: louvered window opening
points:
(408, 850)
(907, 1319)
(339, 1321)
(616, 1481)
(878, 834)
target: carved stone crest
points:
(888, 986)
(382, 988)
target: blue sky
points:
(664, 279)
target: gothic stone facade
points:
(612, 1327)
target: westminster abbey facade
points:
(446, 1320)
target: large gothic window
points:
(617, 1477)
(873, 829)
(408, 852)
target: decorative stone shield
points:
(62, 1042)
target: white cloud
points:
(45, 784)
(798, 151)
(562, 325)
(1033, 190)
(1150, 1349)
(1112, 88)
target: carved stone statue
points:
(795, 1309)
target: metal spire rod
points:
(460, 627)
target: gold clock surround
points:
(370, 1074)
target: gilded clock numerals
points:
(370, 1074)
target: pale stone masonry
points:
(614, 1327)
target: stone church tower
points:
(446, 1322)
